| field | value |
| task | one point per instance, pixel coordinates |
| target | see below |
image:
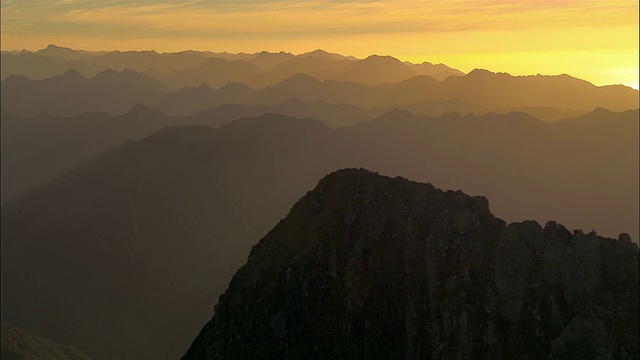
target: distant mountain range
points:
(370, 267)
(216, 69)
(116, 92)
(148, 219)
(134, 185)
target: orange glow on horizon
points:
(592, 40)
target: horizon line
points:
(403, 60)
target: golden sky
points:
(593, 40)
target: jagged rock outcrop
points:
(369, 267)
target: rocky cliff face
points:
(369, 267)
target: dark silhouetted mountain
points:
(321, 68)
(214, 72)
(375, 70)
(526, 166)
(64, 53)
(130, 78)
(602, 116)
(436, 108)
(334, 116)
(438, 71)
(189, 100)
(370, 267)
(142, 61)
(266, 61)
(324, 55)
(121, 256)
(38, 148)
(55, 60)
(71, 94)
(36, 66)
(226, 113)
(19, 344)
(580, 172)
(414, 89)
(226, 55)
(544, 113)
(501, 90)
(310, 89)
(331, 115)
(483, 89)
(124, 240)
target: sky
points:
(595, 40)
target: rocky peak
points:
(366, 266)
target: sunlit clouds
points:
(595, 40)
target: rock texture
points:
(19, 344)
(369, 267)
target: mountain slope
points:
(501, 90)
(150, 217)
(18, 344)
(69, 94)
(125, 240)
(214, 72)
(321, 68)
(438, 71)
(375, 70)
(265, 60)
(38, 148)
(580, 172)
(369, 267)
(526, 166)
(130, 78)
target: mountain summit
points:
(370, 267)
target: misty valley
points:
(216, 205)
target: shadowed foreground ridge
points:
(19, 344)
(369, 267)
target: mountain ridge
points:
(152, 215)
(19, 344)
(493, 92)
(366, 266)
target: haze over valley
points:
(238, 204)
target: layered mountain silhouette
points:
(114, 92)
(41, 147)
(370, 267)
(315, 65)
(121, 256)
(436, 71)
(490, 154)
(38, 148)
(265, 60)
(171, 217)
(135, 183)
(129, 78)
(55, 60)
(375, 70)
(190, 68)
(528, 168)
(582, 171)
(214, 72)
(19, 344)
(71, 94)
